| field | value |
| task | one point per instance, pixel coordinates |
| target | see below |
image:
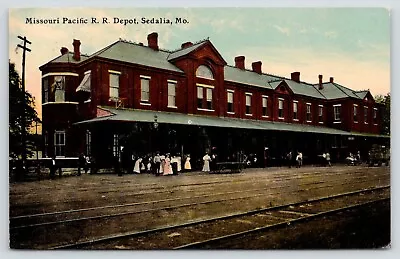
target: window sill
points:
(173, 107)
(207, 110)
(146, 104)
(230, 112)
(308, 121)
(281, 118)
(321, 122)
(60, 102)
(336, 122)
(264, 116)
(248, 114)
(295, 119)
(356, 122)
(375, 124)
(366, 123)
(88, 101)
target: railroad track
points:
(45, 219)
(168, 189)
(206, 232)
(153, 185)
(52, 230)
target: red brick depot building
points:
(191, 101)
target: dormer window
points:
(204, 72)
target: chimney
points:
(321, 86)
(239, 62)
(77, 53)
(63, 50)
(295, 76)
(152, 40)
(331, 79)
(186, 44)
(256, 66)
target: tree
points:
(385, 112)
(17, 107)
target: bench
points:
(228, 167)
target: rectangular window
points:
(199, 97)
(265, 106)
(230, 101)
(295, 108)
(336, 112)
(59, 88)
(365, 114)
(321, 113)
(115, 145)
(88, 143)
(114, 85)
(209, 93)
(45, 90)
(308, 112)
(355, 117)
(248, 104)
(144, 89)
(59, 143)
(171, 94)
(280, 108)
(375, 115)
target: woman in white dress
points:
(162, 164)
(187, 165)
(136, 168)
(206, 166)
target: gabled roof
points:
(137, 54)
(331, 91)
(348, 91)
(304, 89)
(248, 77)
(185, 51)
(362, 94)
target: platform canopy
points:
(131, 115)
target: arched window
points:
(203, 71)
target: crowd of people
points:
(166, 164)
(157, 164)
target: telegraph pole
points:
(23, 97)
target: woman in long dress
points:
(187, 165)
(162, 164)
(206, 166)
(136, 168)
(167, 166)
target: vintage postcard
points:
(199, 128)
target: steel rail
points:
(275, 175)
(164, 208)
(196, 222)
(284, 223)
(144, 193)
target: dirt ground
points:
(147, 194)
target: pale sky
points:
(350, 44)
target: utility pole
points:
(23, 98)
